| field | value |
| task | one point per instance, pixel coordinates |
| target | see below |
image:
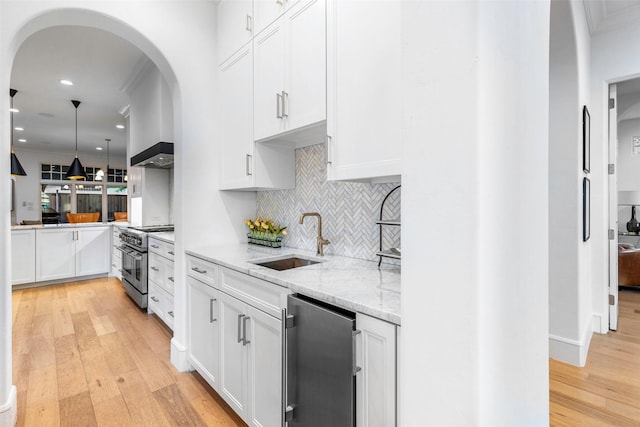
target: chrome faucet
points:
(321, 240)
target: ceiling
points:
(98, 63)
(605, 15)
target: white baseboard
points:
(179, 357)
(9, 410)
(571, 351)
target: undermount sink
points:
(287, 263)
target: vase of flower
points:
(265, 232)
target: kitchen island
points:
(349, 283)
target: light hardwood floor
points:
(85, 355)
(607, 390)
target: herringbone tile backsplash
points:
(349, 210)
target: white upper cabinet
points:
(289, 73)
(267, 11)
(364, 89)
(243, 164)
(235, 26)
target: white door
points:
(613, 209)
(92, 246)
(265, 368)
(204, 332)
(268, 82)
(55, 254)
(235, 23)
(305, 71)
(233, 356)
(23, 256)
(236, 120)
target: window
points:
(56, 203)
(116, 200)
(88, 198)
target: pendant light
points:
(16, 167)
(76, 171)
(101, 173)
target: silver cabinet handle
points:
(248, 164)
(154, 299)
(240, 316)
(245, 341)
(154, 268)
(170, 278)
(285, 101)
(354, 334)
(211, 318)
(278, 101)
(155, 246)
(329, 142)
(170, 252)
(170, 313)
(248, 27)
(197, 270)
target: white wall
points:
(570, 323)
(28, 187)
(475, 317)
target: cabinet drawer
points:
(156, 268)
(169, 276)
(202, 270)
(161, 248)
(261, 294)
(160, 303)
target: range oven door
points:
(134, 268)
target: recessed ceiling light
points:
(66, 82)
(14, 110)
(22, 140)
(99, 148)
(120, 126)
(18, 128)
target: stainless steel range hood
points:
(159, 156)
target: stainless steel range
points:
(134, 246)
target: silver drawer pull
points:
(170, 253)
(155, 299)
(155, 246)
(245, 341)
(197, 270)
(240, 316)
(170, 313)
(211, 318)
(155, 268)
(356, 368)
(170, 278)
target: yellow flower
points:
(284, 232)
(265, 225)
(257, 222)
(248, 222)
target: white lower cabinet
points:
(376, 382)
(23, 256)
(204, 329)
(251, 362)
(71, 252)
(116, 255)
(161, 280)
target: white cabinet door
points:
(134, 181)
(235, 22)
(233, 356)
(364, 62)
(23, 256)
(236, 120)
(204, 330)
(289, 71)
(265, 368)
(268, 79)
(267, 11)
(92, 250)
(305, 70)
(55, 254)
(376, 382)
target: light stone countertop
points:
(165, 236)
(64, 225)
(350, 283)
